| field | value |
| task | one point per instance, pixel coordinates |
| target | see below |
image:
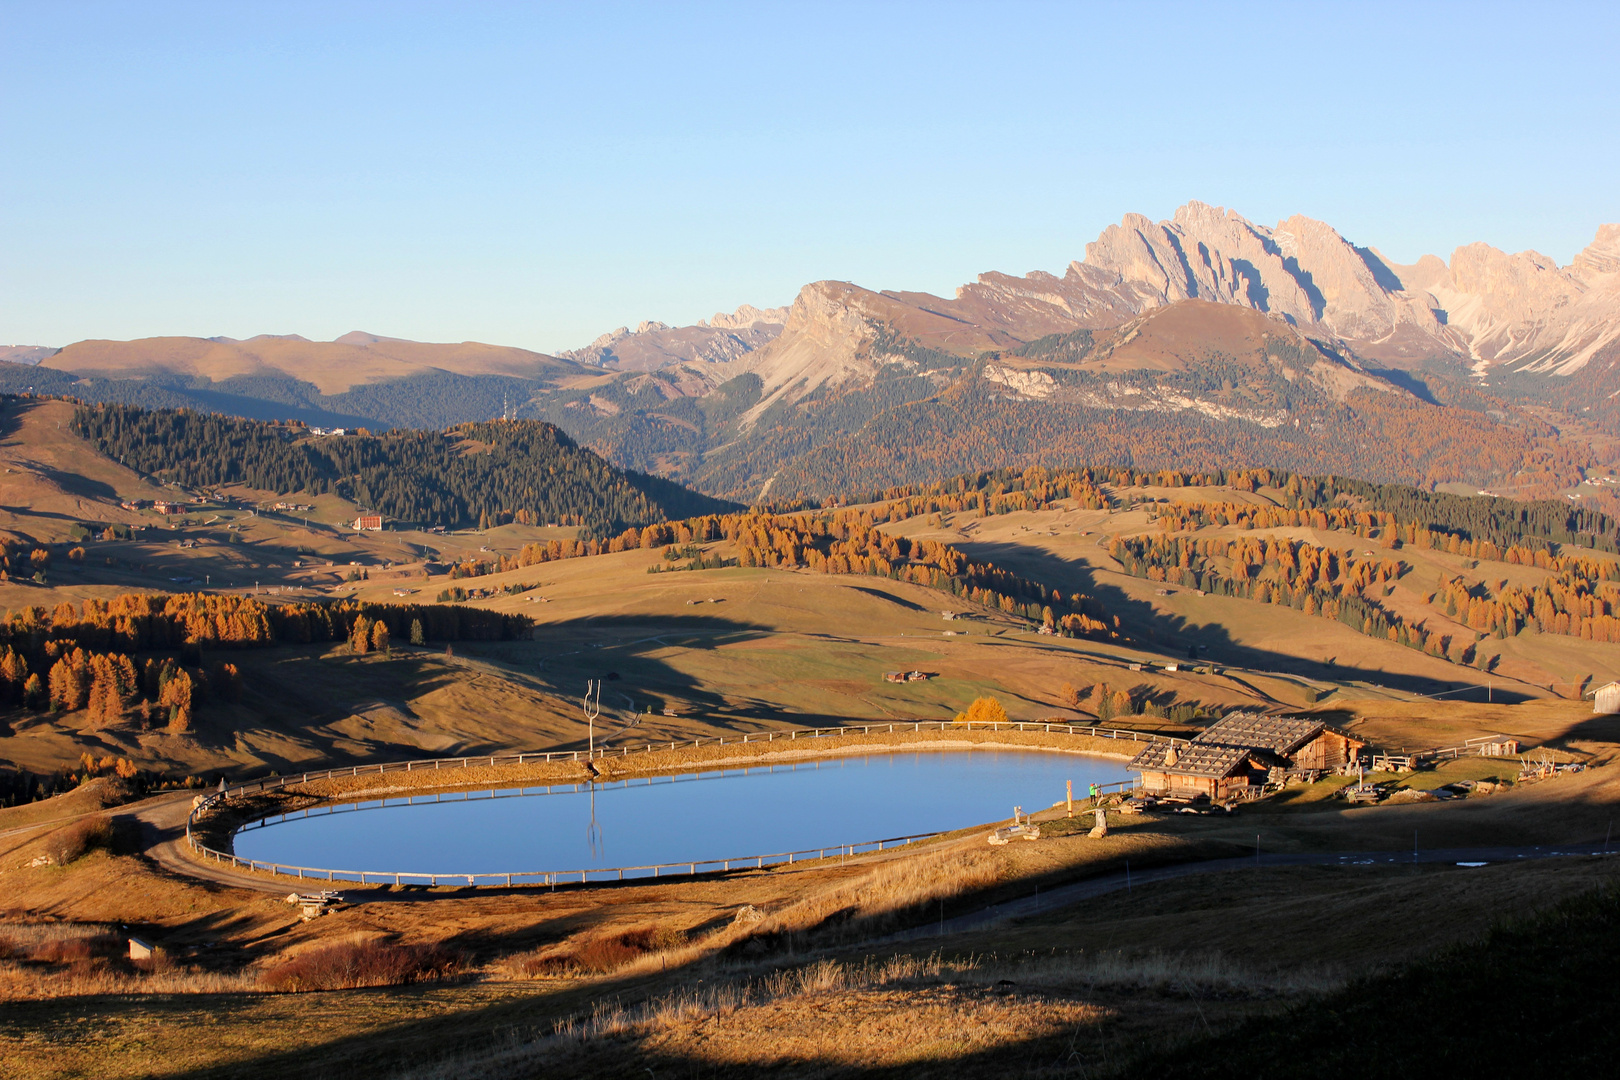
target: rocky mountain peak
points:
(744, 317)
(1601, 256)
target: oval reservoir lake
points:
(689, 817)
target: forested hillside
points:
(86, 656)
(970, 426)
(496, 470)
(1323, 502)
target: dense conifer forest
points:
(497, 470)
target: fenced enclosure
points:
(555, 876)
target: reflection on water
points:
(693, 816)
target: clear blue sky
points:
(535, 175)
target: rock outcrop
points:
(652, 346)
(1522, 310)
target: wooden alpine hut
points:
(1299, 742)
(1240, 750)
(1187, 770)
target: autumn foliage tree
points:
(176, 698)
(360, 636)
(984, 710)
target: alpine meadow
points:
(1202, 658)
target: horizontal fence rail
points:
(554, 878)
(620, 873)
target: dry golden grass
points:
(20, 982)
(880, 1011)
(901, 1010)
(62, 960)
(87, 798)
(877, 899)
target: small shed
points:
(1606, 699)
(139, 949)
(1189, 769)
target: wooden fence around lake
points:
(554, 877)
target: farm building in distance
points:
(1606, 699)
(368, 523)
(1241, 750)
(906, 676)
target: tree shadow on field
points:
(619, 651)
(1179, 636)
(75, 484)
(890, 597)
(296, 700)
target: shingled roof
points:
(1280, 735)
(1192, 759)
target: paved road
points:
(1064, 896)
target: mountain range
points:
(1202, 341)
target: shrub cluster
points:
(605, 954)
(350, 964)
(80, 838)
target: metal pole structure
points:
(592, 711)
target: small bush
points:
(159, 963)
(602, 955)
(350, 965)
(78, 951)
(78, 839)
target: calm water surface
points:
(691, 817)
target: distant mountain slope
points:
(331, 366)
(1192, 385)
(24, 354)
(654, 345)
